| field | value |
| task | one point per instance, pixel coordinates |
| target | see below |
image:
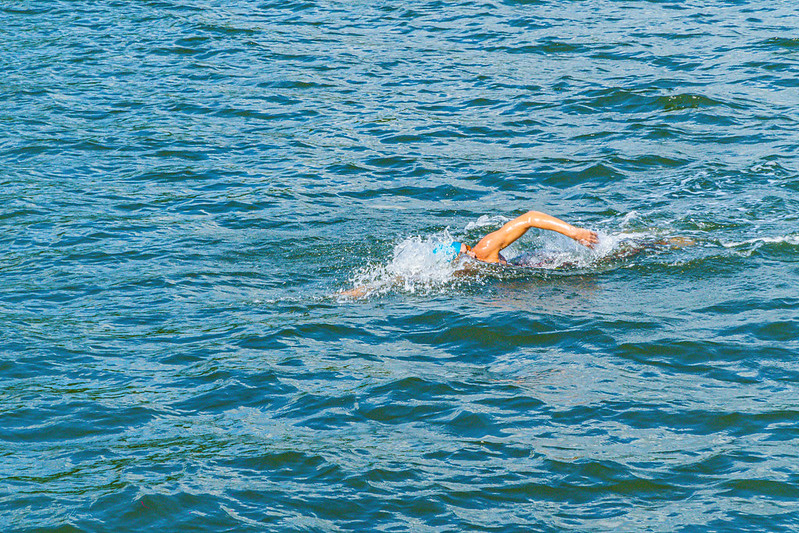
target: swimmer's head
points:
(450, 251)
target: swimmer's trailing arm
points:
(489, 246)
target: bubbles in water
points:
(485, 220)
(413, 268)
(749, 246)
(557, 252)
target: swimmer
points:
(488, 249)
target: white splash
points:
(485, 220)
(759, 241)
(414, 268)
(629, 219)
(558, 252)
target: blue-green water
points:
(186, 187)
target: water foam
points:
(414, 268)
(556, 252)
(757, 242)
(486, 220)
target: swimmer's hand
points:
(586, 237)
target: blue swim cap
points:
(450, 251)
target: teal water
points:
(187, 187)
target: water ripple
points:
(187, 188)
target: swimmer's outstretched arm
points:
(489, 246)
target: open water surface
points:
(186, 187)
